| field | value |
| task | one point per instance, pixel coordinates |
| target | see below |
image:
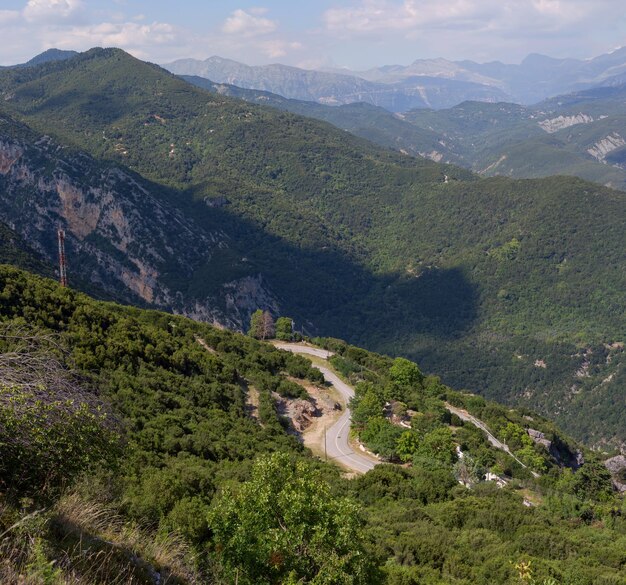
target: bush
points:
(47, 441)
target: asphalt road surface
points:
(466, 416)
(337, 446)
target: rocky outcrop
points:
(119, 234)
(603, 147)
(560, 122)
(617, 467)
(237, 301)
(432, 155)
(540, 438)
(559, 451)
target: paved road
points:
(301, 348)
(337, 435)
(466, 416)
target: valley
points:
(317, 293)
(241, 206)
(174, 473)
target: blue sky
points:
(313, 33)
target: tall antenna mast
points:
(62, 261)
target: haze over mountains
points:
(374, 334)
(581, 134)
(431, 83)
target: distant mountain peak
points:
(538, 58)
(48, 56)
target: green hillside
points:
(361, 119)
(511, 140)
(128, 450)
(493, 139)
(510, 288)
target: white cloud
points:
(119, 34)
(7, 16)
(279, 48)
(368, 17)
(52, 10)
(248, 24)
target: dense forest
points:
(128, 454)
(509, 288)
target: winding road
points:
(466, 416)
(337, 446)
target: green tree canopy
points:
(405, 373)
(261, 325)
(407, 446)
(284, 329)
(284, 525)
(438, 444)
(366, 407)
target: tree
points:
(366, 407)
(405, 373)
(261, 325)
(467, 471)
(382, 437)
(284, 329)
(407, 446)
(438, 445)
(285, 526)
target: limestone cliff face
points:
(120, 236)
(607, 145)
(560, 122)
(241, 298)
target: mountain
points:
(512, 288)
(138, 446)
(15, 251)
(438, 68)
(47, 57)
(536, 78)
(361, 119)
(581, 134)
(337, 88)
(120, 229)
(490, 139)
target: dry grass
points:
(100, 531)
(79, 542)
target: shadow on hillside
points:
(329, 293)
(325, 289)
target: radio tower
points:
(62, 262)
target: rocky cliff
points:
(122, 235)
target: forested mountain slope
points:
(362, 119)
(124, 235)
(510, 288)
(129, 453)
(15, 251)
(580, 134)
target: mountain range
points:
(333, 88)
(579, 134)
(199, 203)
(430, 83)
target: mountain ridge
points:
(536, 78)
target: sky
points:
(357, 34)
